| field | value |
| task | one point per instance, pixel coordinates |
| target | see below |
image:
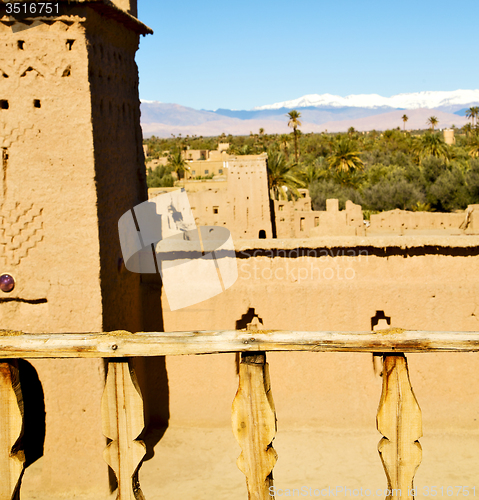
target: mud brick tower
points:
(71, 163)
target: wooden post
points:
(399, 421)
(12, 457)
(123, 422)
(254, 424)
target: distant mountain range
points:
(318, 113)
(415, 100)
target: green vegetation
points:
(380, 170)
(294, 123)
(160, 177)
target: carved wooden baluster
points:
(254, 424)
(123, 422)
(12, 458)
(399, 421)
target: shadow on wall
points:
(379, 321)
(241, 324)
(151, 372)
(34, 407)
(33, 433)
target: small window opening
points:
(215, 210)
(262, 234)
(207, 172)
(37, 103)
(3, 104)
(69, 44)
(21, 44)
(378, 317)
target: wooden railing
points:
(253, 413)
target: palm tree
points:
(432, 145)
(294, 123)
(245, 150)
(475, 110)
(284, 140)
(344, 157)
(432, 121)
(404, 118)
(281, 177)
(474, 145)
(307, 174)
(177, 163)
(472, 113)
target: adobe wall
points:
(424, 283)
(72, 120)
(130, 6)
(449, 136)
(296, 219)
(402, 222)
(288, 220)
(241, 203)
(206, 167)
(248, 196)
(119, 159)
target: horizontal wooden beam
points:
(121, 344)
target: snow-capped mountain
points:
(415, 100)
(318, 113)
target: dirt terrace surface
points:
(310, 458)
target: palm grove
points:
(379, 170)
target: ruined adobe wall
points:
(295, 219)
(402, 221)
(243, 207)
(426, 283)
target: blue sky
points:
(240, 54)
